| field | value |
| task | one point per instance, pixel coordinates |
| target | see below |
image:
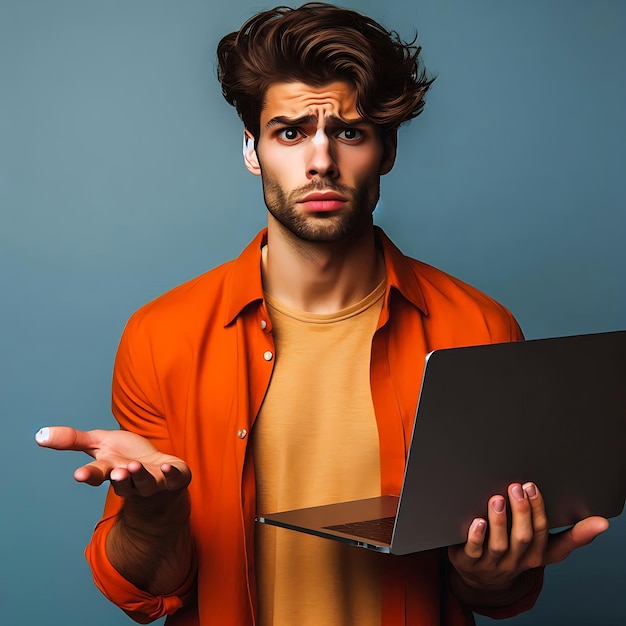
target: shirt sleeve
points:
(532, 589)
(123, 593)
(137, 406)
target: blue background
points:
(121, 176)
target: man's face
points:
(320, 162)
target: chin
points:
(328, 229)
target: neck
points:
(320, 277)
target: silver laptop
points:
(549, 410)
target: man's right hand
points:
(132, 464)
(150, 543)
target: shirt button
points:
(241, 433)
(263, 324)
(268, 356)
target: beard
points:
(320, 227)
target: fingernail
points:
(43, 434)
(517, 492)
(531, 490)
(498, 505)
(478, 525)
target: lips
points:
(319, 202)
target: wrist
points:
(498, 593)
(150, 543)
(158, 515)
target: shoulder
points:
(213, 299)
(452, 301)
(453, 312)
(195, 301)
(439, 287)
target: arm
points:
(496, 567)
(150, 542)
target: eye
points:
(350, 134)
(289, 135)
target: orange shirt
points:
(191, 373)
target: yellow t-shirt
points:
(316, 442)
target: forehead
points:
(293, 100)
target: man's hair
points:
(316, 44)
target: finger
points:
(537, 507)
(522, 533)
(534, 556)
(176, 477)
(67, 438)
(123, 483)
(148, 481)
(560, 545)
(94, 473)
(475, 544)
(138, 480)
(142, 481)
(498, 540)
(464, 556)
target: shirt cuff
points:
(123, 593)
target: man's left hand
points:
(492, 561)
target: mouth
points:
(319, 202)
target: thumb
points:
(581, 534)
(65, 438)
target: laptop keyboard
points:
(377, 529)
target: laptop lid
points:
(549, 410)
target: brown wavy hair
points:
(319, 43)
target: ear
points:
(250, 158)
(390, 147)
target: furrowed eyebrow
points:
(283, 120)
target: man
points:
(288, 377)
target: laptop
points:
(552, 411)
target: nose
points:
(321, 160)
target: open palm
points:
(132, 463)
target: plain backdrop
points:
(121, 176)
